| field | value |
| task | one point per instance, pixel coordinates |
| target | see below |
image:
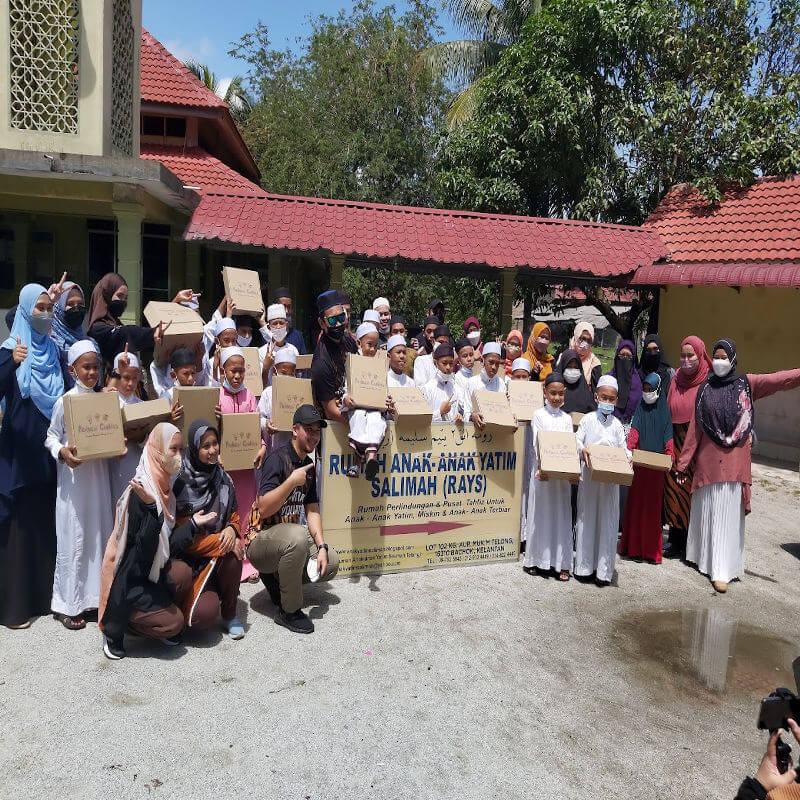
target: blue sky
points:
(205, 30)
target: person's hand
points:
(269, 358)
(227, 539)
(348, 402)
(201, 518)
(298, 477)
(586, 456)
(69, 455)
(238, 549)
(477, 420)
(109, 388)
(681, 477)
(143, 494)
(444, 408)
(540, 476)
(459, 420)
(231, 308)
(177, 412)
(259, 459)
(215, 365)
(158, 333)
(20, 352)
(271, 429)
(185, 296)
(322, 561)
(218, 413)
(536, 367)
(768, 775)
(57, 289)
(124, 357)
(262, 319)
(390, 405)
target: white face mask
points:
(690, 366)
(172, 464)
(80, 384)
(441, 377)
(467, 373)
(721, 367)
(244, 341)
(474, 337)
(650, 397)
(572, 374)
(277, 334)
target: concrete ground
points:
(478, 682)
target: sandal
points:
(352, 472)
(21, 627)
(70, 623)
(530, 570)
(564, 576)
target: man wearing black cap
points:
(279, 547)
(328, 365)
(293, 336)
(437, 309)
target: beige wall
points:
(765, 324)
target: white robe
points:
(436, 393)
(163, 383)
(367, 427)
(394, 380)
(461, 389)
(423, 369)
(549, 516)
(597, 524)
(479, 382)
(272, 440)
(122, 470)
(84, 519)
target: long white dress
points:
(461, 379)
(122, 470)
(528, 469)
(84, 519)
(597, 525)
(549, 516)
(436, 392)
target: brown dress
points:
(678, 497)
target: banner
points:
(444, 495)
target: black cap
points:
(396, 319)
(281, 291)
(442, 330)
(463, 342)
(328, 300)
(431, 321)
(308, 415)
(435, 303)
(442, 351)
(182, 358)
(554, 377)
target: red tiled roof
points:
(423, 234)
(780, 275)
(195, 167)
(165, 80)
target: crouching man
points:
(278, 547)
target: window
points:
(155, 262)
(41, 257)
(163, 130)
(6, 260)
(101, 248)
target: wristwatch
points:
(324, 546)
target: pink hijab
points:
(683, 388)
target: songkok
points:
(227, 352)
(520, 363)
(443, 350)
(397, 319)
(394, 341)
(380, 302)
(181, 358)
(554, 377)
(442, 330)
(364, 328)
(492, 348)
(281, 291)
(133, 361)
(80, 348)
(431, 321)
(328, 300)
(276, 311)
(608, 380)
(464, 342)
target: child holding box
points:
(598, 503)
(121, 470)
(521, 371)
(487, 380)
(440, 390)
(396, 376)
(285, 364)
(549, 516)
(84, 515)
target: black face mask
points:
(74, 316)
(651, 359)
(117, 307)
(336, 334)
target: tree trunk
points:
(527, 313)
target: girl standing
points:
(540, 360)
(581, 342)
(579, 397)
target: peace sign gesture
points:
(57, 289)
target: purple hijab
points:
(630, 384)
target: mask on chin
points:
(441, 377)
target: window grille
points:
(122, 79)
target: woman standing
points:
(691, 374)
(579, 396)
(718, 443)
(582, 341)
(540, 360)
(31, 380)
(654, 360)
(630, 384)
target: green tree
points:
(233, 93)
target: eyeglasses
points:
(339, 319)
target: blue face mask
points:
(605, 408)
(230, 388)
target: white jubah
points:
(393, 380)
(122, 470)
(84, 519)
(715, 541)
(549, 514)
(480, 382)
(436, 392)
(597, 525)
(367, 428)
(527, 482)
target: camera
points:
(774, 713)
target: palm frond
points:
(203, 73)
(236, 96)
(464, 104)
(474, 17)
(461, 60)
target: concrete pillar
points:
(337, 267)
(129, 255)
(507, 300)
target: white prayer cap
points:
(225, 324)
(394, 341)
(286, 355)
(380, 302)
(370, 315)
(492, 348)
(133, 361)
(520, 363)
(227, 352)
(80, 348)
(364, 328)
(608, 380)
(276, 311)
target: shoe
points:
(296, 621)
(720, 586)
(113, 650)
(235, 628)
(21, 627)
(173, 641)
(371, 470)
(673, 551)
(270, 581)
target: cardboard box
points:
(366, 381)
(657, 461)
(304, 362)
(494, 408)
(288, 394)
(185, 330)
(610, 465)
(411, 405)
(198, 402)
(241, 440)
(558, 455)
(525, 398)
(576, 419)
(94, 424)
(252, 371)
(138, 418)
(243, 287)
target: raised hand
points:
(20, 352)
(185, 296)
(57, 289)
(143, 494)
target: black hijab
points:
(578, 396)
(724, 405)
(655, 361)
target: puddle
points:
(704, 652)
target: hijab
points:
(578, 396)
(63, 335)
(546, 360)
(513, 335)
(683, 387)
(476, 322)
(588, 360)
(724, 406)
(652, 420)
(101, 297)
(39, 376)
(630, 384)
(655, 362)
(203, 487)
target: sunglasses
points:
(339, 319)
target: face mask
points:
(650, 397)
(605, 408)
(278, 334)
(543, 343)
(74, 316)
(583, 346)
(230, 388)
(172, 464)
(80, 383)
(572, 375)
(721, 367)
(691, 366)
(484, 377)
(42, 323)
(441, 377)
(467, 373)
(336, 334)
(117, 308)
(651, 357)
(474, 337)
(244, 341)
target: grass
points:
(606, 356)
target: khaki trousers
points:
(284, 549)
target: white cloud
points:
(201, 50)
